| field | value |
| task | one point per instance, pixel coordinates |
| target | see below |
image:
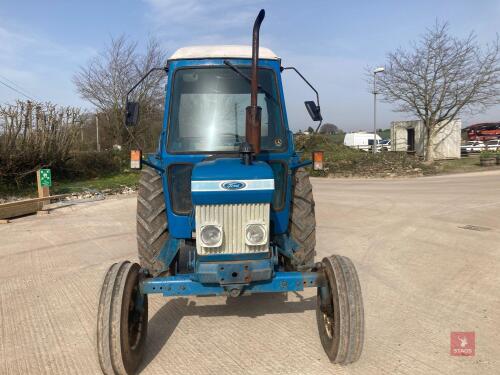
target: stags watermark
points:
(463, 343)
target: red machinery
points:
(484, 131)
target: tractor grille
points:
(233, 219)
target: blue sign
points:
(233, 185)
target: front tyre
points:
(339, 311)
(122, 320)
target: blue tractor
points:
(225, 206)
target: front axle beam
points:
(186, 285)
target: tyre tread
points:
(347, 345)
(152, 226)
(303, 220)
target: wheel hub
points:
(328, 322)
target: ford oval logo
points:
(233, 185)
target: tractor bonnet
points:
(234, 183)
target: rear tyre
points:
(152, 226)
(339, 312)
(302, 222)
(122, 320)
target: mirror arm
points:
(305, 80)
(165, 69)
(309, 84)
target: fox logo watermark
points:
(463, 343)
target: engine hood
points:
(228, 180)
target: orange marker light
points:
(135, 159)
(318, 158)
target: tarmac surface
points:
(427, 252)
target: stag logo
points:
(462, 343)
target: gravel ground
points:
(427, 252)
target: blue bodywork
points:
(228, 170)
(183, 285)
(229, 273)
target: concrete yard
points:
(422, 274)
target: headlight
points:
(255, 234)
(211, 235)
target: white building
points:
(410, 136)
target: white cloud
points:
(222, 13)
(198, 21)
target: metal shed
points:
(410, 136)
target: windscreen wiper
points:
(247, 78)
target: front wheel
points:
(122, 320)
(339, 311)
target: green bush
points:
(91, 164)
(486, 154)
(340, 160)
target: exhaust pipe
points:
(253, 112)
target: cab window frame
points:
(284, 139)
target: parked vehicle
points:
(484, 131)
(385, 145)
(361, 140)
(493, 145)
(472, 147)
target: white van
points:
(361, 140)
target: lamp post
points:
(375, 72)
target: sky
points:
(43, 44)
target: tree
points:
(328, 128)
(33, 135)
(439, 78)
(310, 130)
(106, 78)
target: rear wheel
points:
(152, 227)
(302, 222)
(339, 312)
(122, 320)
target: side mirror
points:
(313, 110)
(131, 113)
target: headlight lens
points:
(256, 234)
(211, 235)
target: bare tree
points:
(439, 78)
(33, 135)
(105, 80)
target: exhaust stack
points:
(253, 112)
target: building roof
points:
(221, 51)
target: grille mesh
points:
(233, 218)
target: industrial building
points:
(410, 136)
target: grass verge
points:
(110, 183)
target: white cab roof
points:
(222, 51)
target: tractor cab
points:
(210, 90)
